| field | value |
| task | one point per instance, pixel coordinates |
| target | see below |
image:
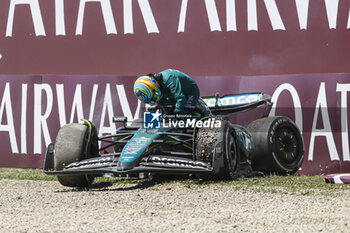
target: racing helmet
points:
(147, 90)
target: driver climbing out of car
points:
(171, 87)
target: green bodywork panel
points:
(244, 139)
(139, 143)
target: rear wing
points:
(237, 102)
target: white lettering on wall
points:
(36, 16)
(24, 119)
(332, 12)
(231, 24)
(125, 105)
(212, 13)
(106, 12)
(296, 102)
(343, 89)
(128, 19)
(61, 104)
(6, 105)
(252, 15)
(43, 109)
(274, 14)
(77, 105)
(303, 11)
(182, 19)
(272, 10)
(59, 17)
(107, 106)
(40, 121)
(93, 102)
(213, 16)
(148, 16)
(327, 130)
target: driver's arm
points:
(176, 91)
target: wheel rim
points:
(231, 154)
(286, 146)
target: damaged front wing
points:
(109, 164)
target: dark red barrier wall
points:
(78, 51)
(200, 37)
(34, 107)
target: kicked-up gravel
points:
(47, 206)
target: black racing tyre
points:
(71, 146)
(277, 145)
(218, 147)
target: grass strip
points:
(295, 184)
(24, 174)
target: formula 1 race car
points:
(211, 147)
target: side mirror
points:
(121, 119)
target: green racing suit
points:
(180, 90)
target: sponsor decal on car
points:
(90, 163)
(233, 99)
(178, 162)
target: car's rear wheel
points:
(277, 145)
(74, 143)
(218, 147)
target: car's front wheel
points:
(74, 143)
